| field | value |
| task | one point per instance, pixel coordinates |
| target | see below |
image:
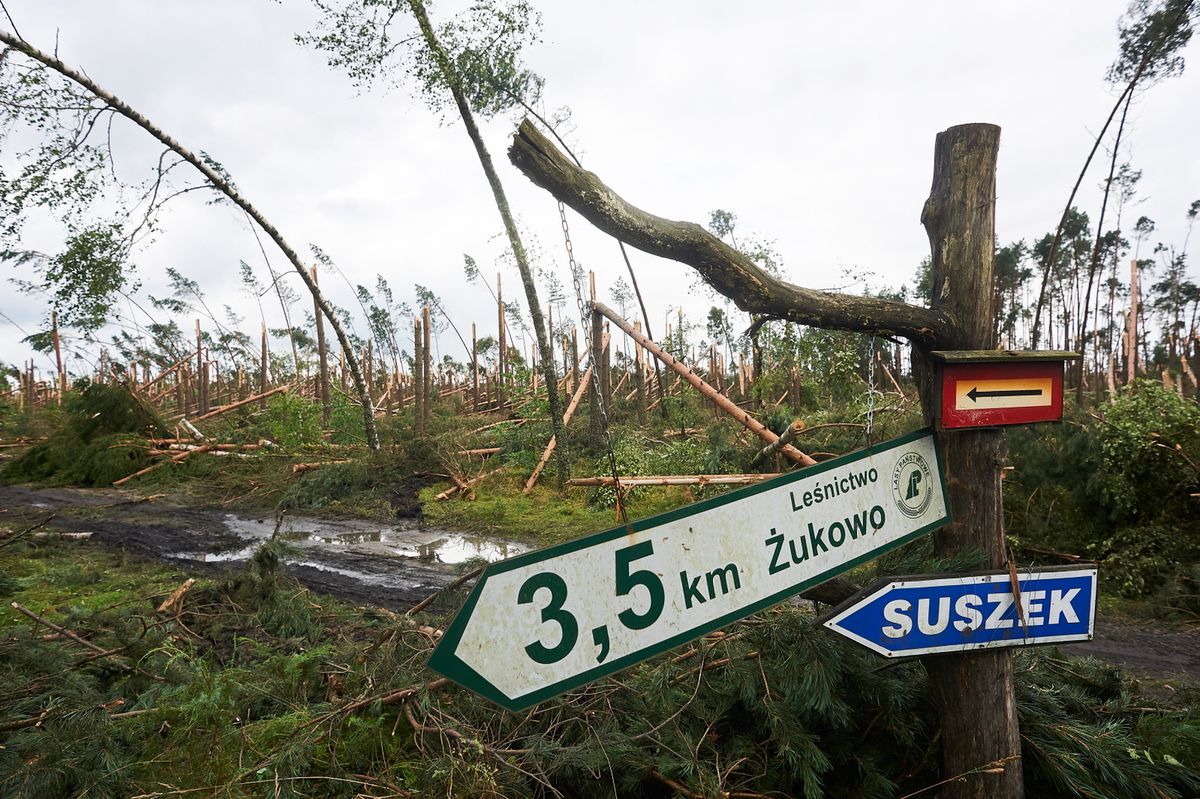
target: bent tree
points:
(981, 747)
(216, 178)
(476, 60)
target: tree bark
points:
(973, 692)
(323, 358)
(418, 380)
(729, 272)
(427, 392)
(222, 184)
(510, 226)
(1131, 327)
(58, 361)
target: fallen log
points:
(478, 453)
(707, 391)
(173, 459)
(449, 492)
(513, 422)
(240, 403)
(298, 468)
(770, 449)
(674, 480)
(579, 392)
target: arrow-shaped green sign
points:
(547, 621)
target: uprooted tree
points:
(91, 105)
(980, 742)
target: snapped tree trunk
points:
(222, 184)
(323, 360)
(728, 271)
(510, 226)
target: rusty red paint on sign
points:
(992, 394)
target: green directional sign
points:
(547, 621)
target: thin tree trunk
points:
(323, 359)
(427, 392)
(474, 370)
(1095, 259)
(510, 227)
(1131, 325)
(222, 184)
(502, 358)
(262, 377)
(58, 361)
(418, 379)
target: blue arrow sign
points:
(903, 616)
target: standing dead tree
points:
(221, 183)
(974, 692)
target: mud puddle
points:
(393, 565)
(332, 535)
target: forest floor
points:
(395, 564)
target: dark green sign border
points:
(444, 661)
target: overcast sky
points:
(813, 122)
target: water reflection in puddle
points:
(315, 535)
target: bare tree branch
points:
(725, 269)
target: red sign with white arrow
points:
(991, 394)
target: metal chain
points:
(585, 321)
(870, 388)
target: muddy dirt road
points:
(390, 565)
(396, 565)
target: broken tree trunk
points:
(580, 390)
(235, 405)
(773, 448)
(62, 373)
(707, 391)
(728, 271)
(322, 356)
(675, 480)
(973, 692)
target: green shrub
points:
(1151, 444)
(1116, 487)
(100, 439)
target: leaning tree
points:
(77, 104)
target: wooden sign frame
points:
(994, 388)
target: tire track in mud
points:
(214, 540)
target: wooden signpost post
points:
(542, 623)
(973, 692)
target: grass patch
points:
(60, 579)
(545, 515)
(258, 688)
